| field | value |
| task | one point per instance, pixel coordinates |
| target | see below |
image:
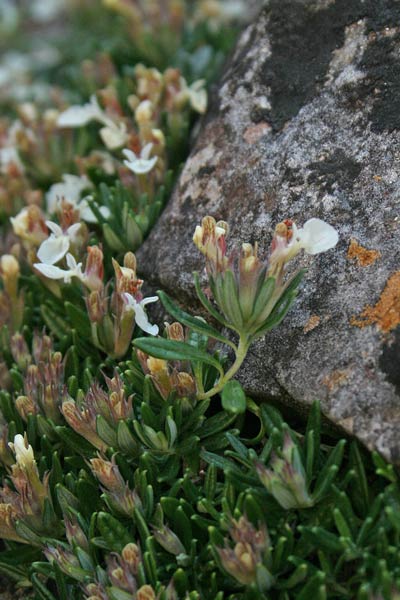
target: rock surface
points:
(306, 122)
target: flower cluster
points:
(245, 561)
(113, 318)
(29, 500)
(252, 294)
(286, 478)
(97, 415)
(43, 381)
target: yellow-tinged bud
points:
(25, 407)
(131, 554)
(146, 592)
(185, 384)
(157, 366)
(281, 229)
(158, 139)
(175, 332)
(29, 225)
(27, 112)
(130, 261)
(9, 267)
(144, 113)
(107, 473)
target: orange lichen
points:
(312, 323)
(360, 254)
(386, 312)
(336, 379)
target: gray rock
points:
(306, 123)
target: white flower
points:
(52, 272)
(23, 455)
(71, 188)
(140, 164)
(57, 244)
(86, 212)
(77, 116)
(140, 315)
(316, 236)
(114, 135)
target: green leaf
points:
(79, 319)
(282, 305)
(113, 533)
(233, 398)
(312, 440)
(42, 593)
(314, 588)
(172, 350)
(215, 424)
(206, 303)
(231, 300)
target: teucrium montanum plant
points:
(251, 296)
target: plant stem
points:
(241, 353)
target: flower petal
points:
(77, 116)
(69, 188)
(53, 249)
(318, 236)
(142, 320)
(50, 271)
(130, 155)
(149, 300)
(71, 262)
(141, 166)
(54, 228)
(146, 151)
(73, 230)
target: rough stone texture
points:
(306, 123)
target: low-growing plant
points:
(137, 468)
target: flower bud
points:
(175, 332)
(146, 592)
(144, 113)
(132, 556)
(20, 352)
(25, 407)
(29, 225)
(94, 270)
(9, 268)
(23, 452)
(169, 541)
(95, 304)
(286, 479)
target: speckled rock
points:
(306, 122)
